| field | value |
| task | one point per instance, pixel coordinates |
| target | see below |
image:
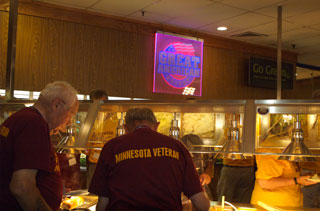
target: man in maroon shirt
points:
(29, 168)
(145, 170)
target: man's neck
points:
(142, 126)
(42, 112)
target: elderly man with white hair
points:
(29, 169)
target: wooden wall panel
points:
(4, 19)
(93, 52)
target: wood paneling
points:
(4, 19)
(97, 51)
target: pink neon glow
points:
(201, 69)
(174, 86)
(183, 48)
(155, 63)
(179, 47)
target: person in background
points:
(145, 170)
(201, 161)
(29, 168)
(236, 180)
(98, 94)
(278, 181)
(103, 130)
(311, 194)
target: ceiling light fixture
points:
(222, 28)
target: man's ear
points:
(156, 125)
(55, 104)
(126, 129)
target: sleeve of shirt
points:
(191, 181)
(268, 167)
(32, 146)
(99, 182)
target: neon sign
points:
(177, 65)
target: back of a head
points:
(191, 139)
(58, 89)
(98, 94)
(316, 94)
(140, 114)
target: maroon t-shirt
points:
(145, 170)
(25, 144)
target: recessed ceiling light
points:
(222, 28)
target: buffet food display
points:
(261, 124)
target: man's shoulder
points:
(25, 113)
(154, 136)
(25, 117)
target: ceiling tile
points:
(306, 19)
(207, 15)
(241, 22)
(300, 33)
(150, 17)
(268, 28)
(176, 8)
(123, 7)
(72, 3)
(270, 41)
(311, 49)
(291, 8)
(309, 42)
(300, 26)
(251, 4)
(311, 58)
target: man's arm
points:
(205, 177)
(102, 203)
(23, 187)
(278, 182)
(200, 201)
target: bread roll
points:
(73, 202)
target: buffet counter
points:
(215, 206)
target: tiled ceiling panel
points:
(300, 24)
(72, 3)
(251, 4)
(311, 58)
(306, 19)
(291, 8)
(240, 22)
(207, 15)
(301, 33)
(268, 28)
(122, 7)
(310, 42)
(176, 8)
(311, 49)
(148, 16)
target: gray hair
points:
(59, 89)
(140, 114)
(192, 139)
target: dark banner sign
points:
(177, 65)
(263, 73)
